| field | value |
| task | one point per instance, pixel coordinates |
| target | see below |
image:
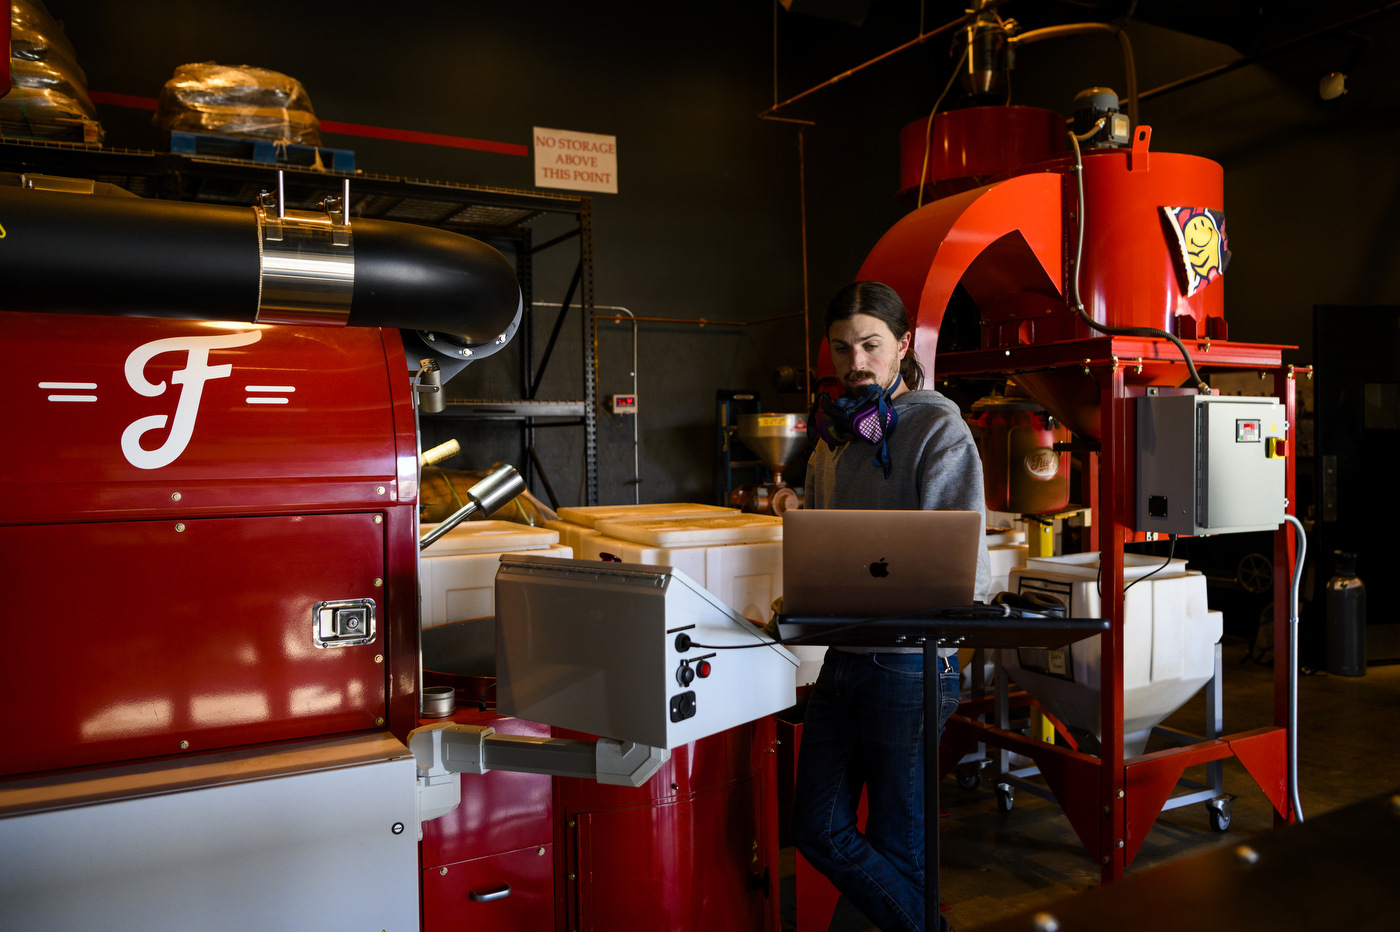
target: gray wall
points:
(706, 223)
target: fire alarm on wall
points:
(624, 404)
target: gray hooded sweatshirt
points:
(936, 468)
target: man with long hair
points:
(864, 722)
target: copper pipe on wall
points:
(634, 320)
(919, 40)
(700, 321)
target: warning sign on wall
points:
(577, 161)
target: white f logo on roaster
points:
(197, 371)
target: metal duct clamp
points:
(488, 496)
(307, 261)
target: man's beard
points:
(855, 391)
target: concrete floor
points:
(995, 864)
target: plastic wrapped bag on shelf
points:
(49, 99)
(444, 491)
(237, 101)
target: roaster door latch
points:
(345, 623)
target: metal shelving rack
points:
(499, 216)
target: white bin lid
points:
(588, 515)
(1087, 565)
(996, 536)
(710, 530)
(490, 537)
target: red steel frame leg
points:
(1114, 462)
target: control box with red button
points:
(630, 651)
(1209, 464)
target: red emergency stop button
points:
(702, 669)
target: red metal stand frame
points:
(1113, 803)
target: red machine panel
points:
(138, 639)
(500, 811)
(511, 892)
(125, 418)
(625, 855)
(695, 848)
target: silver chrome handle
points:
(500, 893)
(487, 496)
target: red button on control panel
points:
(702, 669)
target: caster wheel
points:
(1005, 798)
(970, 781)
(1219, 821)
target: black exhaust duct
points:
(138, 257)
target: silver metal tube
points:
(345, 203)
(454, 519)
(307, 278)
(1293, 665)
(281, 199)
(487, 496)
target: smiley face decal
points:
(1202, 249)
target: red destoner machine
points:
(213, 669)
(1004, 228)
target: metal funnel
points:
(777, 438)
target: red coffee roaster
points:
(213, 664)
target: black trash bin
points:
(1346, 619)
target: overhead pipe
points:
(1351, 22)
(142, 257)
(1079, 29)
(985, 7)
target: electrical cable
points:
(971, 611)
(1098, 576)
(481, 700)
(1293, 664)
(928, 129)
(1201, 386)
(1171, 551)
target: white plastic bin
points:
(1004, 559)
(577, 523)
(588, 515)
(737, 557)
(1169, 636)
(457, 574)
(570, 534)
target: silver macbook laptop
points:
(867, 563)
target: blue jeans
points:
(864, 727)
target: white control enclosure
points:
(1209, 464)
(592, 647)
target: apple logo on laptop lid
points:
(880, 569)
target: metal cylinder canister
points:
(1346, 619)
(1131, 275)
(1021, 470)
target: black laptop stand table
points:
(931, 632)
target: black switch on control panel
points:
(685, 675)
(683, 706)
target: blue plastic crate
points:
(264, 151)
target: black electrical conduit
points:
(1081, 219)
